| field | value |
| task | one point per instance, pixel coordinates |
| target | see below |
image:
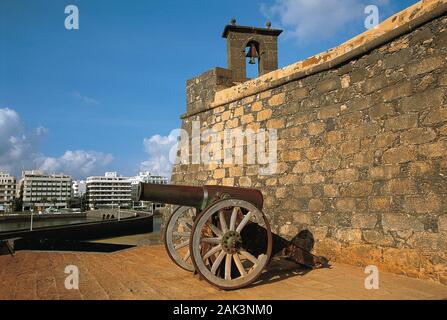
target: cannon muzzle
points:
(197, 197)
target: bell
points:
(252, 54)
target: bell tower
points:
(252, 45)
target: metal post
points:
(119, 213)
(31, 225)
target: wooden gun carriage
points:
(221, 233)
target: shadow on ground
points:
(67, 245)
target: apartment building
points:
(41, 191)
(78, 188)
(109, 190)
(145, 177)
(7, 192)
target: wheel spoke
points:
(181, 234)
(244, 222)
(218, 261)
(181, 245)
(228, 267)
(212, 251)
(187, 255)
(211, 240)
(239, 265)
(233, 218)
(186, 225)
(223, 223)
(250, 257)
(215, 229)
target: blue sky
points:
(84, 101)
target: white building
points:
(7, 192)
(39, 190)
(145, 177)
(78, 188)
(109, 190)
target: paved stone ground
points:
(147, 273)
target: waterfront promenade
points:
(147, 273)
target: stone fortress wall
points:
(362, 143)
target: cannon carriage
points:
(221, 233)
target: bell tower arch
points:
(251, 45)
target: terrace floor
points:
(147, 273)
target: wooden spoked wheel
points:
(231, 243)
(177, 234)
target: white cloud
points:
(19, 149)
(16, 147)
(78, 163)
(159, 149)
(308, 19)
(85, 99)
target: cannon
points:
(221, 233)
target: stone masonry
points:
(362, 145)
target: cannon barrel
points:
(193, 196)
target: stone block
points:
(423, 100)
(300, 93)
(345, 204)
(423, 204)
(300, 191)
(275, 124)
(397, 91)
(245, 182)
(313, 178)
(377, 238)
(433, 150)
(435, 116)
(442, 223)
(383, 172)
(401, 186)
(302, 167)
(349, 147)
(381, 110)
(400, 222)
(264, 115)
(315, 128)
(418, 136)
(357, 189)
(402, 122)
(346, 175)
(399, 154)
(248, 118)
(426, 65)
(348, 235)
(379, 204)
(328, 85)
(315, 205)
(256, 106)
(219, 173)
(276, 100)
(331, 190)
(421, 168)
(314, 153)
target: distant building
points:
(7, 192)
(145, 177)
(109, 190)
(78, 188)
(41, 191)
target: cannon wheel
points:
(220, 243)
(177, 234)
